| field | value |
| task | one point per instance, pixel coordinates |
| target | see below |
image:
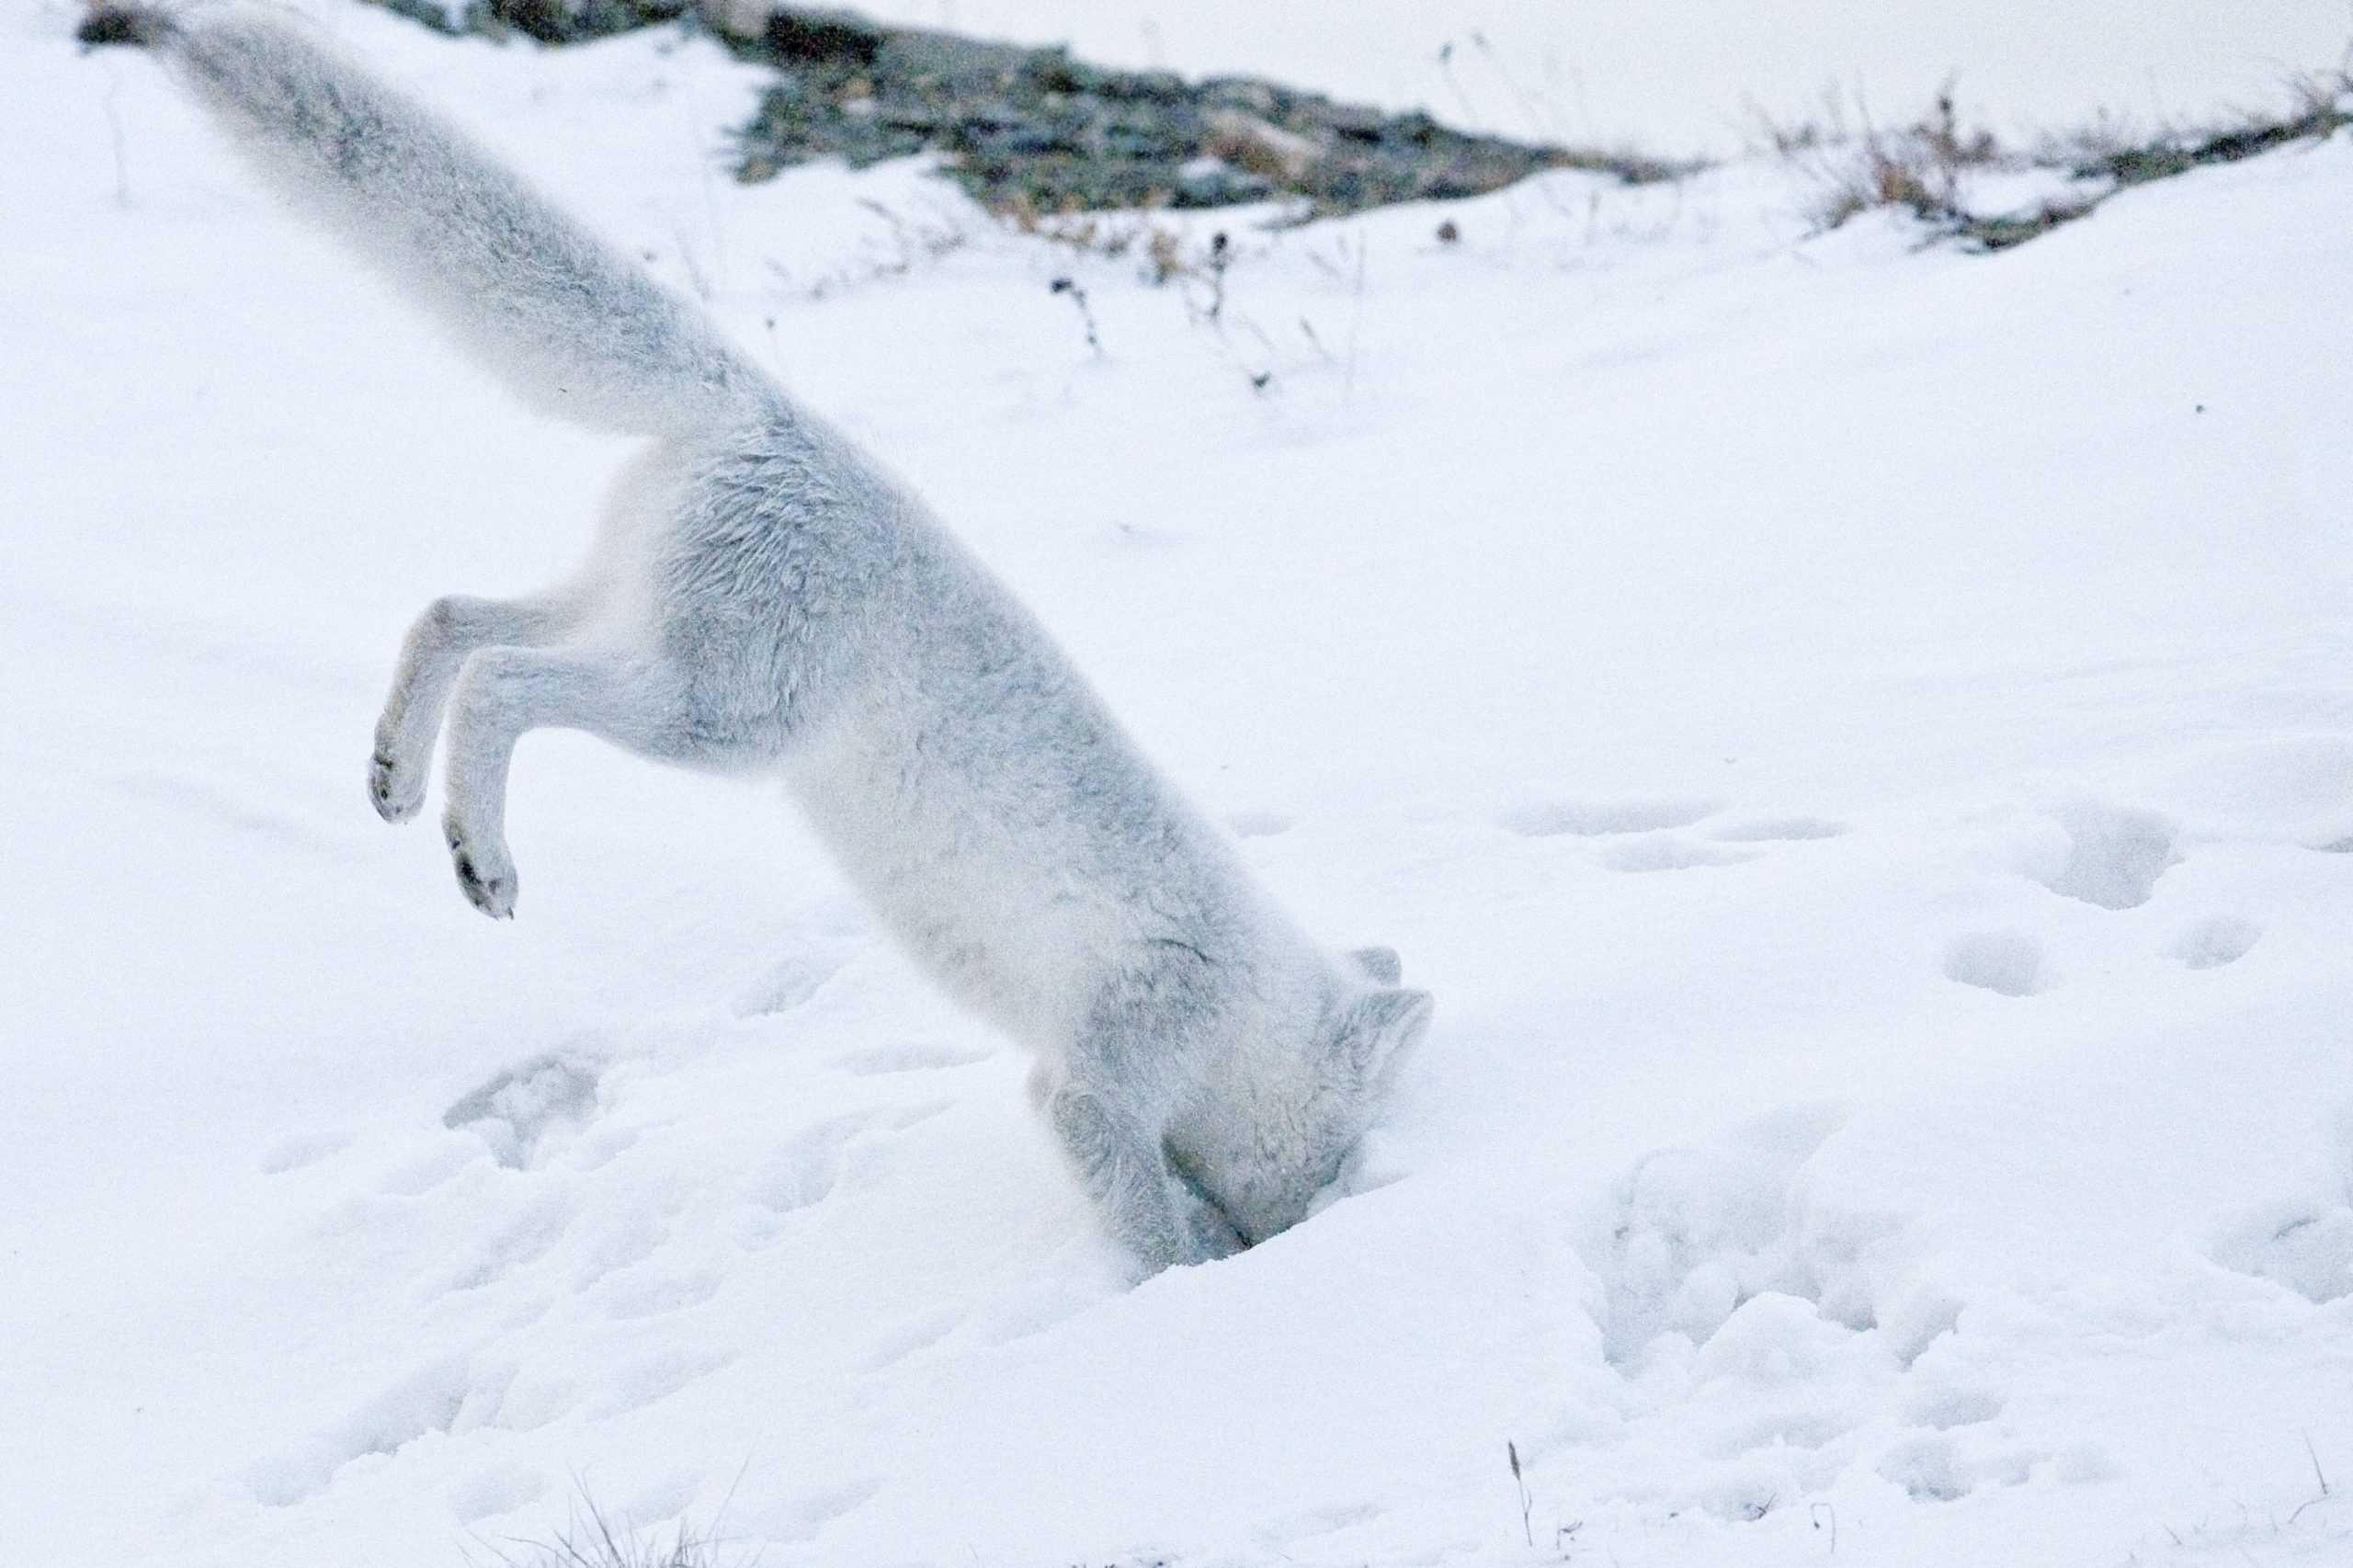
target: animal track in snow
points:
(1945, 1406)
(2114, 854)
(304, 1149)
(1760, 1331)
(521, 1399)
(792, 980)
(2284, 789)
(1701, 1235)
(1310, 1523)
(626, 1294)
(1697, 1232)
(913, 1056)
(1038, 1305)
(2006, 962)
(656, 1378)
(800, 1520)
(525, 1239)
(1597, 819)
(619, 1237)
(436, 1162)
(426, 1401)
(907, 1336)
(2307, 1247)
(805, 1169)
(1777, 830)
(1130, 537)
(2304, 1242)
(1934, 1468)
(1258, 824)
(501, 1489)
(805, 1166)
(516, 1110)
(2214, 941)
(1666, 852)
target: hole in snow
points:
(2009, 962)
(1948, 1407)
(516, 1110)
(1667, 853)
(1776, 830)
(1592, 819)
(2114, 857)
(1258, 825)
(1926, 1468)
(2214, 941)
(2308, 1248)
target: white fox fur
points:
(761, 595)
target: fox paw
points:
(486, 877)
(396, 792)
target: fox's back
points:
(986, 802)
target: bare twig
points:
(1527, 1502)
(2318, 1475)
(1539, 124)
(1356, 317)
(1078, 297)
(1471, 115)
(697, 278)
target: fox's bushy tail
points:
(557, 314)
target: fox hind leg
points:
(436, 648)
(503, 692)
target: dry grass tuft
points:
(1925, 168)
(591, 1539)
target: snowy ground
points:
(1860, 739)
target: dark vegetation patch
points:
(1036, 130)
(2320, 110)
(1928, 168)
(1032, 131)
(549, 21)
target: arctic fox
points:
(760, 595)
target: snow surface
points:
(1859, 737)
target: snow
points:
(1857, 735)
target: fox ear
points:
(1381, 964)
(1382, 1027)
